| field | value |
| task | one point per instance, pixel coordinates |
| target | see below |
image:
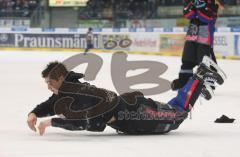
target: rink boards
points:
(152, 41)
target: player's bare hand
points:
(31, 121)
(43, 125)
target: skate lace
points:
(210, 81)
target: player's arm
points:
(90, 125)
(46, 108)
(96, 124)
(42, 110)
(189, 9)
(69, 124)
(208, 13)
(62, 123)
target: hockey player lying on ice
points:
(81, 106)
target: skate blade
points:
(208, 61)
(210, 91)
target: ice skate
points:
(212, 66)
(206, 73)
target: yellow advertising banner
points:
(182, 22)
(67, 3)
(171, 44)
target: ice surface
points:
(22, 88)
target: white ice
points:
(22, 88)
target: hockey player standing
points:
(199, 39)
(89, 40)
(81, 106)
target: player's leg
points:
(89, 46)
(86, 49)
(151, 117)
(189, 58)
(188, 95)
(204, 50)
(212, 55)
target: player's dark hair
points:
(54, 70)
(90, 29)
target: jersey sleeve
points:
(46, 108)
(96, 125)
(69, 124)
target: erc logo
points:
(3, 37)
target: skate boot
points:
(210, 74)
(206, 73)
(211, 66)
